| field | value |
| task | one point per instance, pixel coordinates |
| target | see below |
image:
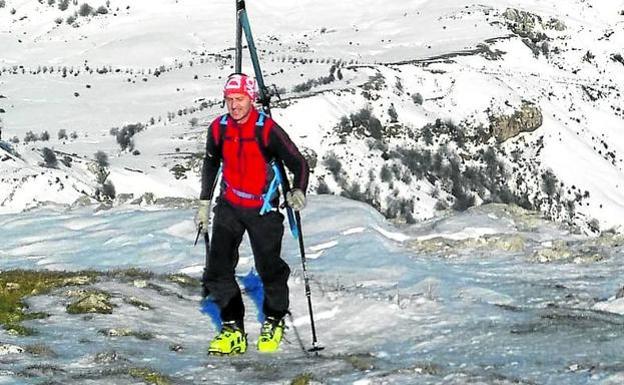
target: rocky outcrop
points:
(91, 302)
(524, 23)
(527, 119)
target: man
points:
(244, 143)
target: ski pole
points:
(199, 229)
(308, 292)
(240, 6)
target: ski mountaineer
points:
(244, 143)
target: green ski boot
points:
(270, 335)
(231, 340)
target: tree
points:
(62, 134)
(393, 114)
(85, 10)
(101, 159)
(49, 157)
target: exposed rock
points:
(184, 280)
(148, 198)
(82, 201)
(91, 302)
(108, 357)
(12, 286)
(175, 202)
(138, 303)
(522, 22)
(554, 251)
(501, 242)
(529, 118)
(10, 349)
(123, 198)
(525, 22)
(40, 350)
(78, 280)
(620, 293)
(126, 332)
(116, 332)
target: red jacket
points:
(246, 170)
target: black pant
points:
(265, 234)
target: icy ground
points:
(491, 296)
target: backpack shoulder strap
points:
(222, 127)
(263, 125)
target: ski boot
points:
(231, 340)
(270, 335)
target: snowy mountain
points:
(413, 107)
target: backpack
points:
(271, 193)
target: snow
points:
(486, 314)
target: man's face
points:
(239, 106)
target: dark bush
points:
(322, 188)
(385, 174)
(393, 114)
(417, 98)
(108, 190)
(62, 134)
(124, 136)
(85, 10)
(63, 5)
(49, 157)
(101, 159)
(549, 183)
(30, 137)
(332, 163)
(45, 136)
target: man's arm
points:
(283, 147)
(212, 161)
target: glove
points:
(296, 199)
(202, 218)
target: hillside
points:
(415, 107)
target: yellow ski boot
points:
(230, 341)
(270, 335)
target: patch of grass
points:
(149, 376)
(302, 379)
(131, 273)
(184, 280)
(15, 285)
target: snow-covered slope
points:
(438, 78)
(495, 295)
